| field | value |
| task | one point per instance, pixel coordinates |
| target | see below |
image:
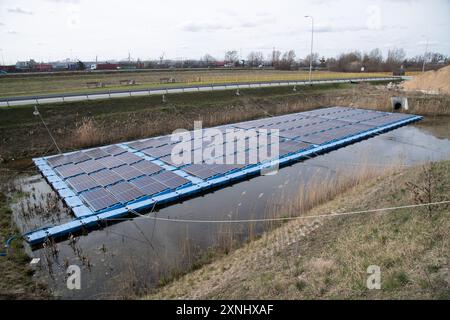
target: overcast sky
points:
(110, 29)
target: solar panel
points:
(106, 177)
(286, 147)
(68, 170)
(129, 158)
(202, 171)
(128, 172)
(90, 166)
(147, 167)
(58, 160)
(82, 183)
(334, 134)
(125, 192)
(114, 150)
(159, 152)
(223, 168)
(96, 153)
(312, 129)
(111, 162)
(363, 117)
(390, 117)
(170, 179)
(99, 199)
(77, 157)
(317, 138)
(150, 143)
(242, 158)
(149, 186)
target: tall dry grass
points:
(87, 134)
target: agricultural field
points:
(35, 84)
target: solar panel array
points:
(110, 176)
(121, 174)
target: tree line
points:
(353, 61)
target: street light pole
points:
(312, 42)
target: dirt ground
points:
(436, 82)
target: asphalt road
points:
(111, 94)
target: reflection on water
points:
(135, 254)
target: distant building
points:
(107, 66)
(43, 67)
(8, 69)
(25, 65)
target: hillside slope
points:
(328, 257)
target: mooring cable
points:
(324, 215)
(37, 113)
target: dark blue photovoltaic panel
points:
(170, 179)
(81, 183)
(68, 170)
(128, 172)
(287, 147)
(78, 156)
(106, 177)
(202, 171)
(111, 162)
(223, 168)
(96, 153)
(99, 199)
(150, 143)
(147, 167)
(129, 158)
(159, 152)
(58, 160)
(125, 192)
(149, 186)
(114, 150)
(90, 166)
(390, 118)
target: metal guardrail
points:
(110, 94)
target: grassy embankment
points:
(91, 123)
(328, 258)
(36, 84)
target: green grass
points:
(76, 83)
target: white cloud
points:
(19, 10)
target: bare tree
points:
(315, 59)
(231, 57)
(255, 58)
(287, 61)
(207, 60)
(395, 58)
(275, 58)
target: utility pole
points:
(312, 42)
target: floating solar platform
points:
(110, 182)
